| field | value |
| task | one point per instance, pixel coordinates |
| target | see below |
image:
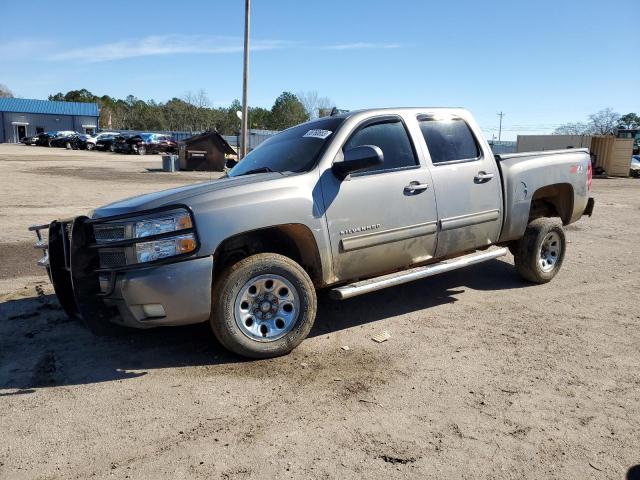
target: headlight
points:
(167, 223)
(167, 247)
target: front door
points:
(384, 218)
(467, 185)
(22, 132)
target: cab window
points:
(392, 138)
(448, 140)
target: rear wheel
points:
(112, 148)
(263, 306)
(540, 252)
(90, 146)
(142, 150)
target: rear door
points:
(466, 182)
(384, 218)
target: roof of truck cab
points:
(392, 109)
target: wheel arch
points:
(554, 200)
(293, 240)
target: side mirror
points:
(358, 159)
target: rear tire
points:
(263, 306)
(540, 252)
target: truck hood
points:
(178, 195)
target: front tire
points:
(540, 252)
(142, 150)
(263, 306)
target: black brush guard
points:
(73, 269)
(73, 263)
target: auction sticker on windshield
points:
(317, 133)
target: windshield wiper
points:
(256, 170)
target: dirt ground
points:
(484, 376)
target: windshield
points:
(294, 150)
(635, 161)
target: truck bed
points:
(533, 175)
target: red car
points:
(144, 143)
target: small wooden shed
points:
(206, 151)
(610, 153)
(613, 154)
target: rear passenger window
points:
(448, 140)
(392, 139)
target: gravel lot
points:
(484, 376)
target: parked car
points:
(144, 143)
(120, 143)
(105, 140)
(44, 139)
(354, 202)
(102, 141)
(83, 142)
(29, 140)
(71, 140)
(634, 170)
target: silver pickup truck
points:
(354, 202)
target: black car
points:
(81, 142)
(43, 139)
(104, 141)
(66, 140)
(122, 143)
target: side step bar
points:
(406, 276)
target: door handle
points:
(416, 187)
(482, 177)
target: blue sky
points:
(541, 62)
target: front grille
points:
(109, 233)
(114, 258)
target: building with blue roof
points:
(23, 117)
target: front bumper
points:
(174, 291)
(182, 290)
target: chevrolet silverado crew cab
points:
(355, 203)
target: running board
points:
(406, 276)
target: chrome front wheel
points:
(267, 307)
(263, 305)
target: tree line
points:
(193, 112)
(604, 122)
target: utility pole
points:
(245, 82)
(500, 129)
